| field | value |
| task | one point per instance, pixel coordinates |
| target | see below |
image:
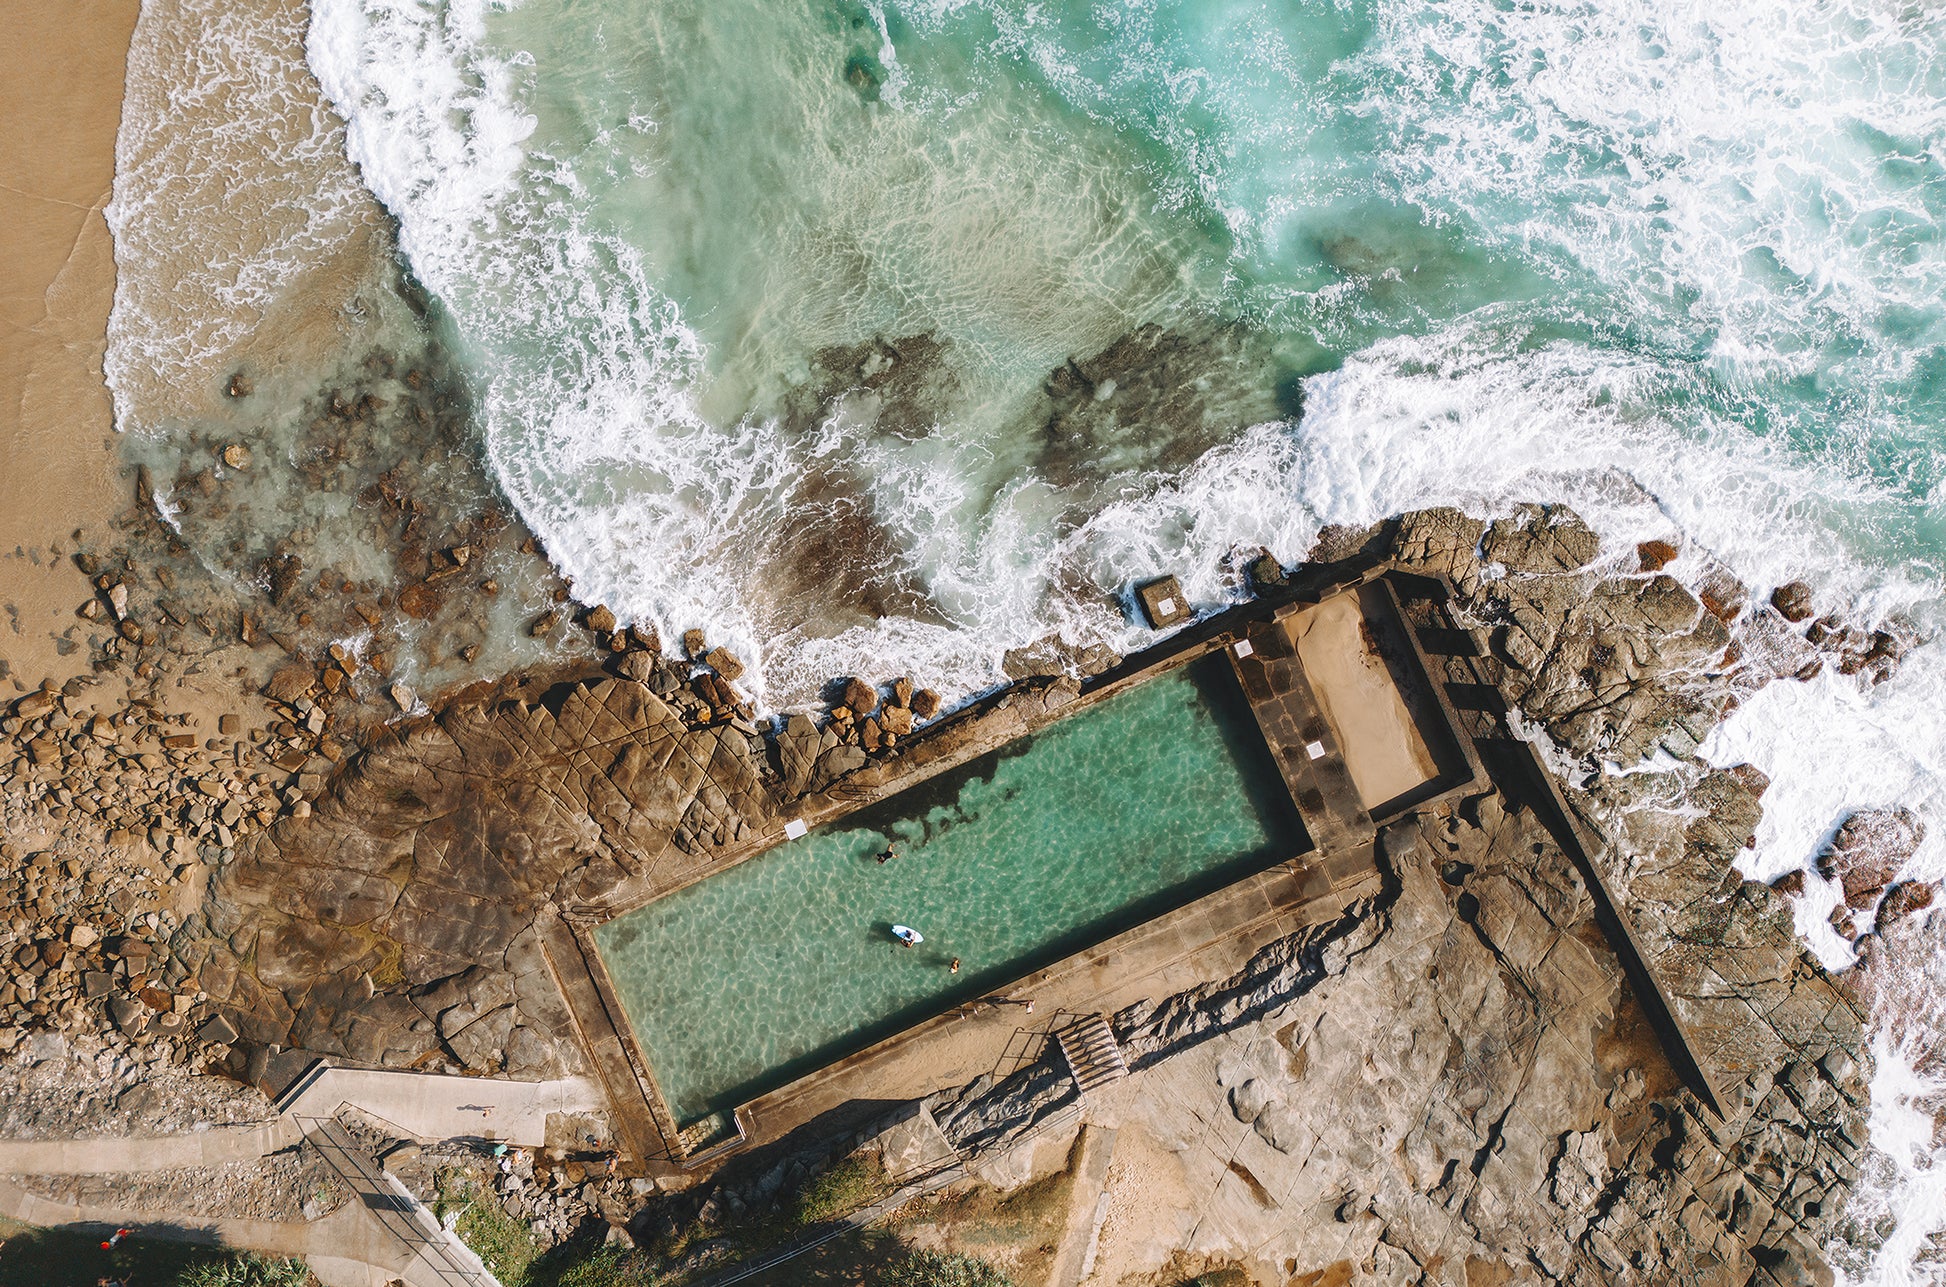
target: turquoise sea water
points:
(1399, 252)
(766, 971)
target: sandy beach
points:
(61, 90)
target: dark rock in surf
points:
(1792, 601)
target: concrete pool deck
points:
(1206, 939)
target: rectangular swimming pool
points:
(767, 971)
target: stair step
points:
(1094, 1057)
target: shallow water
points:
(764, 972)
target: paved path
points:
(155, 1153)
(384, 1234)
(435, 1106)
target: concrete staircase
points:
(1094, 1059)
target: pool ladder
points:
(1094, 1058)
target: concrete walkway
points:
(152, 1153)
(436, 1106)
(383, 1235)
(1074, 1260)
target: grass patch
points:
(1229, 1276)
(35, 1257)
(837, 1191)
(934, 1269)
(505, 1245)
(880, 1259)
(592, 1264)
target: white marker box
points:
(1314, 749)
(794, 828)
(1242, 648)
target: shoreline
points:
(61, 84)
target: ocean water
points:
(769, 310)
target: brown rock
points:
(544, 624)
(281, 575)
(693, 644)
(1266, 573)
(419, 601)
(1653, 556)
(228, 725)
(725, 663)
(860, 698)
(236, 456)
(901, 692)
(897, 720)
(1868, 851)
(1792, 601)
(1791, 882)
(925, 704)
(600, 620)
(1902, 900)
(290, 683)
(241, 386)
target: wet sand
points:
(61, 81)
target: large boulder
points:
(1868, 851)
(1792, 601)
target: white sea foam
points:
(241, 235)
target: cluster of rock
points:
(426, 576)
(1865, 858)
(80, 1084)
(556, 1194)
(393, 921)
(1874, 653)
(97, 942)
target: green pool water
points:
(771, 969)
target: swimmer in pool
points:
(887, 856)
(955, 966)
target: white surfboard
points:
(907, 935)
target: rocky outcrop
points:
(1870, 848)
(392, 920)
(1454, 1083)
(1454, 1073)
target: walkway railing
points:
(394, 1206)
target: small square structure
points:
(1314, 749)
(1163, 602)
(794, 828)
(1242, 648)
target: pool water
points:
(771, 969)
